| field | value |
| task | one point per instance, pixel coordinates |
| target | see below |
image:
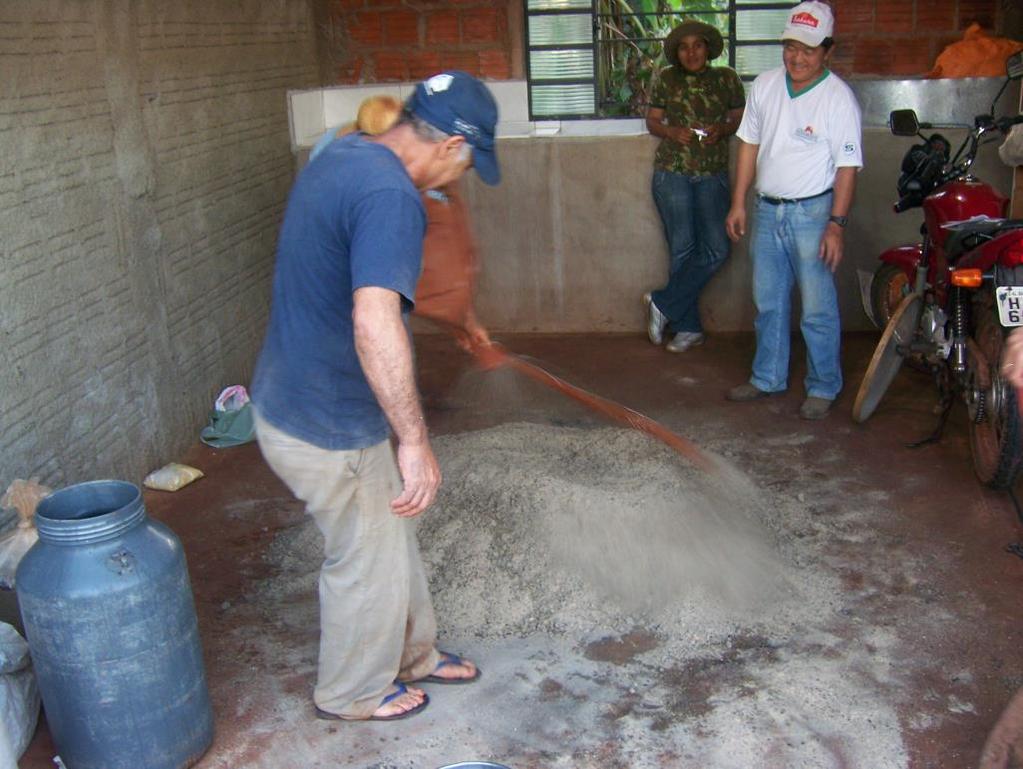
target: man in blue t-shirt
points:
(336, 372)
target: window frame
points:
(732, 10)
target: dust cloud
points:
(546, 529)
(542, 527)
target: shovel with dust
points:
(705, 535)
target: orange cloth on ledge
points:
(976, 55)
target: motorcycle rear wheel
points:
(888, 288)
(995, 440)
(888, 357)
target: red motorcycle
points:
(948, 300)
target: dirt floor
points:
(839, 600)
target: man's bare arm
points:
(385, 352)
(832, 243)
(745, 171)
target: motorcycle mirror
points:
(1013, 71)
(1014, 66)
(903, 122)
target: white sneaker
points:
(655, 322)
(683, 340)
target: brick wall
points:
(372, 41)
(903, 37)
(375, 41)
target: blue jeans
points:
(786, 243)
(693, 210)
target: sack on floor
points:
(231, 422)
(19, 697)
(17, 532)
(172, 477)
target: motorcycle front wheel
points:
(995, 440)
(888, 356)
(888, 288)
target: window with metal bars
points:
(601, 58)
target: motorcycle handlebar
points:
(1005, 123)
(982, 124)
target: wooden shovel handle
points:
(494, 356)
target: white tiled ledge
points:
(313, 111)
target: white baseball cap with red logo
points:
(809, 23)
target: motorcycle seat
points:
(969, 235)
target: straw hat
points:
(715, 44)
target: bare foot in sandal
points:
(404, 701)
(452, 669)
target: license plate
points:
(1010, 305)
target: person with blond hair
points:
(376, 114)
(444, 293)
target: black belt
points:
(779, 201)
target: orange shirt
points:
(445, 288)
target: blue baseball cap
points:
(460, 105)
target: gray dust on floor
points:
(629, 610)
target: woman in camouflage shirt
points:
(694, 109)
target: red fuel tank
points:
(959, 200)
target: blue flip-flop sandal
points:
(402, 689)
(446, 659)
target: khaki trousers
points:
(376, 619)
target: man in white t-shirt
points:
(800, 140)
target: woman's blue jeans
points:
(693, 210)
(786, 245)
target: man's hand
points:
(420, 474)
(716, 132)
(385, 352)
(657, 127)
(745, 170)
(473, 335)
(720, 131)
(682, 134)
(1012, 359)
(735, 223)
(831, 245)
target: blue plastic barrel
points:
(110, 622)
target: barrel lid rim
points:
(57, 496)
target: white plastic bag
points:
(19, 697)
(13, 547)
(231, 398)
(1011, 151)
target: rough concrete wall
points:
(571, 240)
(145, 167)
